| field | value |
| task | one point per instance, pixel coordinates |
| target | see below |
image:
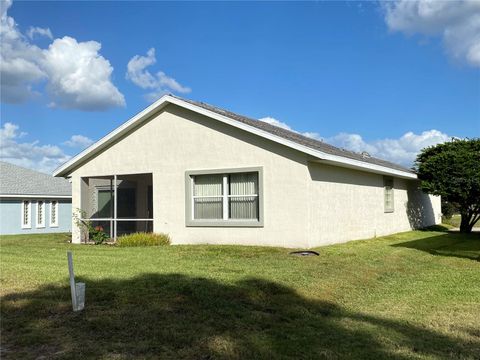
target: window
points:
(105, 203)
(208, 197)
(388, 194)
(231, 198)
(53, 213)
(26, 207)
(40, 214)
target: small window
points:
(54, 213)
(26, 221)
(388, 194)
(224, 199)
(40, 214)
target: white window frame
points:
(29, 212)
(386, 181)
(54, 205)
(190, 221)
(40, 224)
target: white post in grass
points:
(77, 290)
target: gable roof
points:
(319, 150)
(19, 181)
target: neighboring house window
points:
(225, 199)
(26, 220)
(388, 194)
(40, 214)
(54, 213)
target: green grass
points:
(413, 295)
(455, 221)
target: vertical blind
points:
(240, 196)
(208, 197)
(243, 199)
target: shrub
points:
(143, 239)
(97, 235)
(87, 230)
(448, 209)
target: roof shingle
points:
(16, 180)
(297, 138)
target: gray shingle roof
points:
(298, 138)
(16, 180)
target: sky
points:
(388, 78)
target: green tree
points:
(452, 170)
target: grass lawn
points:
(414, 295)
(455, 221)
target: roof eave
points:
(377, 169)
(36, 196)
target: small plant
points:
(97, 235)
(143, 239)
(87, 230)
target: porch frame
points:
(114, 220)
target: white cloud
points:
(76, 75)
(458, 22)
(79, 141)
(402, 151)
(32, 155)
(18, 66)
(35, 30)
(79, 77)
(272, 121)
(160, 83)
(313, 135)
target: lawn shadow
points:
(180, 317)
(451, 244)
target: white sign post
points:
(77, 290)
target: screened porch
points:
(118, 204)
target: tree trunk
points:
(465, 225)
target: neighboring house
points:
(207, 175)
(32, 202)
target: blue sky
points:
(384, 78)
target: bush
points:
(448, 209)
(97, 235)
(143, 239)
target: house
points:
(206, 175)
(32, 202)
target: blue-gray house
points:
(32, 202)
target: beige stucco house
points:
(206, 175)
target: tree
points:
(452, 170)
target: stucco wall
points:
(11, 217)
(348, 204)
(178, 140)
(303, 203)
